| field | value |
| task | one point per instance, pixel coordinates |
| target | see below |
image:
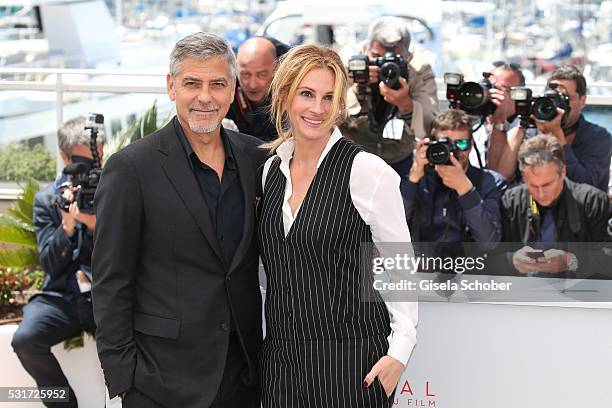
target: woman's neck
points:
(307, 151)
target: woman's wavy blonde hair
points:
(294, 66)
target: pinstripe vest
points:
(314, 282)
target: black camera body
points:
(471, 97)
(543, 107)
(84, 175)
(439, 151)
(392, 67)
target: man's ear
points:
(65, 158)
(170, 87)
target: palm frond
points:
(140, 128)
(10, 221)
(17, 236)
(19, 258)
(23, 207)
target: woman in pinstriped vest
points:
(322, 198)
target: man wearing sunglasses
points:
(453, 202)
(549, 212)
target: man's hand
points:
(417, 171)
(89, 220)
(554, 126)
(505, 106)
(453, 176)
(388, 370)
(551, 261)
(398, 97)
(68, 221)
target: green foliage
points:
(141, 127)
(19, 162)
(18, 247)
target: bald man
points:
(256, 62)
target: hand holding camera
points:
(548, 112)
(417, 171)
(504, 104)
(453, 176)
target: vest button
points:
(224, 327)
(288, 289)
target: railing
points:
(155, 84)
(61, 85)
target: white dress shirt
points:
(374, 189)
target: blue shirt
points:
(443, 216)
(587, 158)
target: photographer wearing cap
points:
(393, 98)
(549, 209)
(587, 147)
(454, 201)
(64, 234)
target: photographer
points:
(487, 138)
(402, 111)
(549, 210)
(63, 309)
(452, 202)
(256, 62)
(587, 147)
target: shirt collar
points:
(230, 161)
(285, 150)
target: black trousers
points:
(232, 393)
(47, 321)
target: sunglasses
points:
(460, 144)
(544, 155)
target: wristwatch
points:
(501, 127)
(407, 116)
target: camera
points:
(440, 150)
(84, 174)
(544, 107)
(471, 97)
(392, 67)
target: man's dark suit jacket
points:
(162, 298)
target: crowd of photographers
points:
(499, 165)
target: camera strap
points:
(533, 221)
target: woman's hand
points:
(388, 370)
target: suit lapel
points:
(177, 169)
(246, 172)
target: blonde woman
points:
(322, 197)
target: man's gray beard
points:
(195, 128)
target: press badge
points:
(393, 129)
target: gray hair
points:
(540, 150)
(202, 46)
(390, 31)
(73, 133)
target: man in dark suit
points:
(63, 308)
(176, 294)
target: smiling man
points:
(176, 293)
